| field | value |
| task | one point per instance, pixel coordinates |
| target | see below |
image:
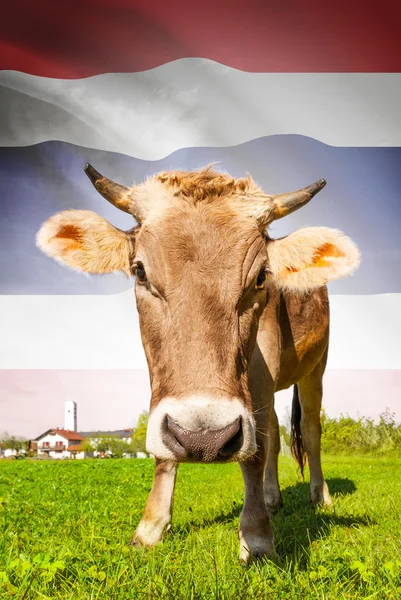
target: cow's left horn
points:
(116, 194)
(284, 204)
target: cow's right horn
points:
(116, 194)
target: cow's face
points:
(203, 269)
(200, 294)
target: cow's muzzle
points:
(201, 429)
(203, 445)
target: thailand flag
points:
(290, 91)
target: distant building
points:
(95, 437)
(59, 443)
(8, 452)
(69, 443)
(122, 434)
(70, 416)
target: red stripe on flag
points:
(80, 38)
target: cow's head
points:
(204, 267)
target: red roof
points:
(65, 433)
(75, 448)
(69, 435)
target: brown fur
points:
(198, 260)
(72, 233)
(319, 258)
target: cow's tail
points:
(297, 448)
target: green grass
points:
(65, 527)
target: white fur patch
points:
(150, 532)
(254, 546)
(311, 257)
(198, 412)
(150, 199)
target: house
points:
(59, 443)
(10, 452)
(7, 452)
(64, 443)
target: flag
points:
(288, 91)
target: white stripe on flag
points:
(102, 332)
(197, 102)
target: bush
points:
(363, 435)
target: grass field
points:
(65, 528)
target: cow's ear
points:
(84, 241)
(311, 257)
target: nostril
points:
(171, 437)
(234, 444)
(179, 433)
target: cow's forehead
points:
(219, 194)
(200, 233)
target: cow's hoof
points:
(320, 496)
(254, 547)
(148, 534)
(136, 542)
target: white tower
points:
(70, 415)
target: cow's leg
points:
(271, 487)
(256, 533)
(159, 506)
(310, 397)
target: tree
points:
(138, 443)
(285, 435)
(286, 420)
(87, 446)
(102, 444)
(108, 444)
(13, 443)
(118, 447)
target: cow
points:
(228, 316)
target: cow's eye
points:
(140, 273)
(261, 278)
